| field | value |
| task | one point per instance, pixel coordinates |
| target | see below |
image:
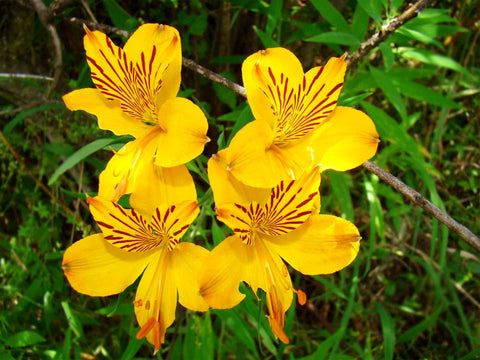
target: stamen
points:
(157, 335)
(145, 329)
(301, 297)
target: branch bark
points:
(44, 15)
(415, 197)
(386, 31)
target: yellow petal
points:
(125, 229)
(132, 170)
(172, 221)
(184, 132)
(135, 232)
(226, 188)
(155, 185)
(108, 112)
(268, 272)
(290, 204)
(123, 173)
(264, 74)
(156, 299)
(223, 270)
(136, 85)
(311, 104)
(128, 172)
(166, 41)
(231, 262)
(255, 161)
(347, 141)
(96, 268)
(186, 261)
(325, 244)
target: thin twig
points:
(45, 189)
(45, 18)
(386, 30)
(58, 6)
(26, 76)
(102, 27)
(419, 200)
(209, 74)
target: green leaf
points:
(199, 341)
(388, 56)
(233, 320)
(24, 338)
(274, 15)
(341, 189)
(266, 40)
(373, 8)
(389, 90)
(26, 113)
(388, 331)
(420, 36)
(340, 38)
(431, 58)
(80, 155)
(420, 92)
(132, 348)
(227, 96)
(389, 129)
(332, 15)
(120, 18)
(72, 319)
(416, 330)
(244, 118)
(231, 59)
(359, 23)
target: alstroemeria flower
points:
(135, 94)
(298, 123)
(131, 243)
(286, 226)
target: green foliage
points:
(403, 297)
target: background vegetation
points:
(410, 293)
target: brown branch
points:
(44, 15)
(26, 76)
(386, 30)
(102, 27)
(419, 200)
(209, 74)
(45, 189)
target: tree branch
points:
(386, 31)
(44, 15)
(209, 74)
(419, 200)
(26, 76)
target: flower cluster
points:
(265, 184)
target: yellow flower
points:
(298, 122)
(131, 243)
(135, 94)
(285, 225)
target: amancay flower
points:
(131, 243)
(285, 225)
(135, 94)
(298, 123)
